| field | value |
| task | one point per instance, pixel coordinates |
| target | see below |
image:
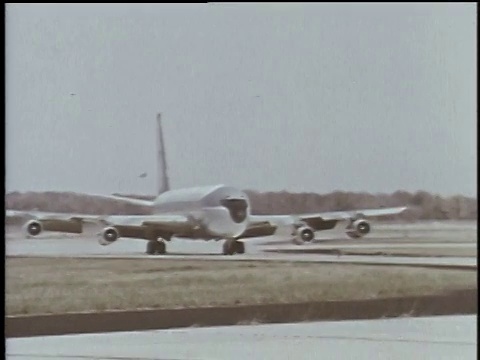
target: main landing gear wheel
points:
(231, 246)
(155, 247)
(354, 236)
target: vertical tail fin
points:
(162, 175)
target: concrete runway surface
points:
(436, 338)
(419, 235)
(80, 249)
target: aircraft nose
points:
(237, 208)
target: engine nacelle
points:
(33, 227)
(358, 228)
(303, 234)
(108, 236)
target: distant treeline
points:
(422, 205)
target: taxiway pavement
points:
(420, 235)
(441, 337)
(189, 249)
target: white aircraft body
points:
(204, 213)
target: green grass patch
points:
(58, 285)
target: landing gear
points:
(232, 246)
(155, 247)
(353, 235)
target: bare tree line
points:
(422, 205)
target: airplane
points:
(216, 212)
(204, 213)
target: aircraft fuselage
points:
(214, 212)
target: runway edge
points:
(453, 303)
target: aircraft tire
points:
(239, 247)
(229, 247)
(155, 247)
(160, 248)
(150, 247)
(353, 236)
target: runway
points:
(86, 248)
(442, 337)
(419, 236)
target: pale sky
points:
(297, 97)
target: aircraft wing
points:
(258, 228)
(40, 215)
(264, 225)
(166, 223)
(125, 199)
(347, 215)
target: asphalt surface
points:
(426, 235)
(442, 337)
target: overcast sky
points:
(297, 97)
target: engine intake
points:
(33, 227)
(303, 234)
(358, 228)
(109, 235)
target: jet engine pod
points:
(33, 227)
(303, 234)
(358, 228)
(109, 235)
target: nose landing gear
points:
(232, 246)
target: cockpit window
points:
(237, 209)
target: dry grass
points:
(48, 285)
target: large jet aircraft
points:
(205, 213)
